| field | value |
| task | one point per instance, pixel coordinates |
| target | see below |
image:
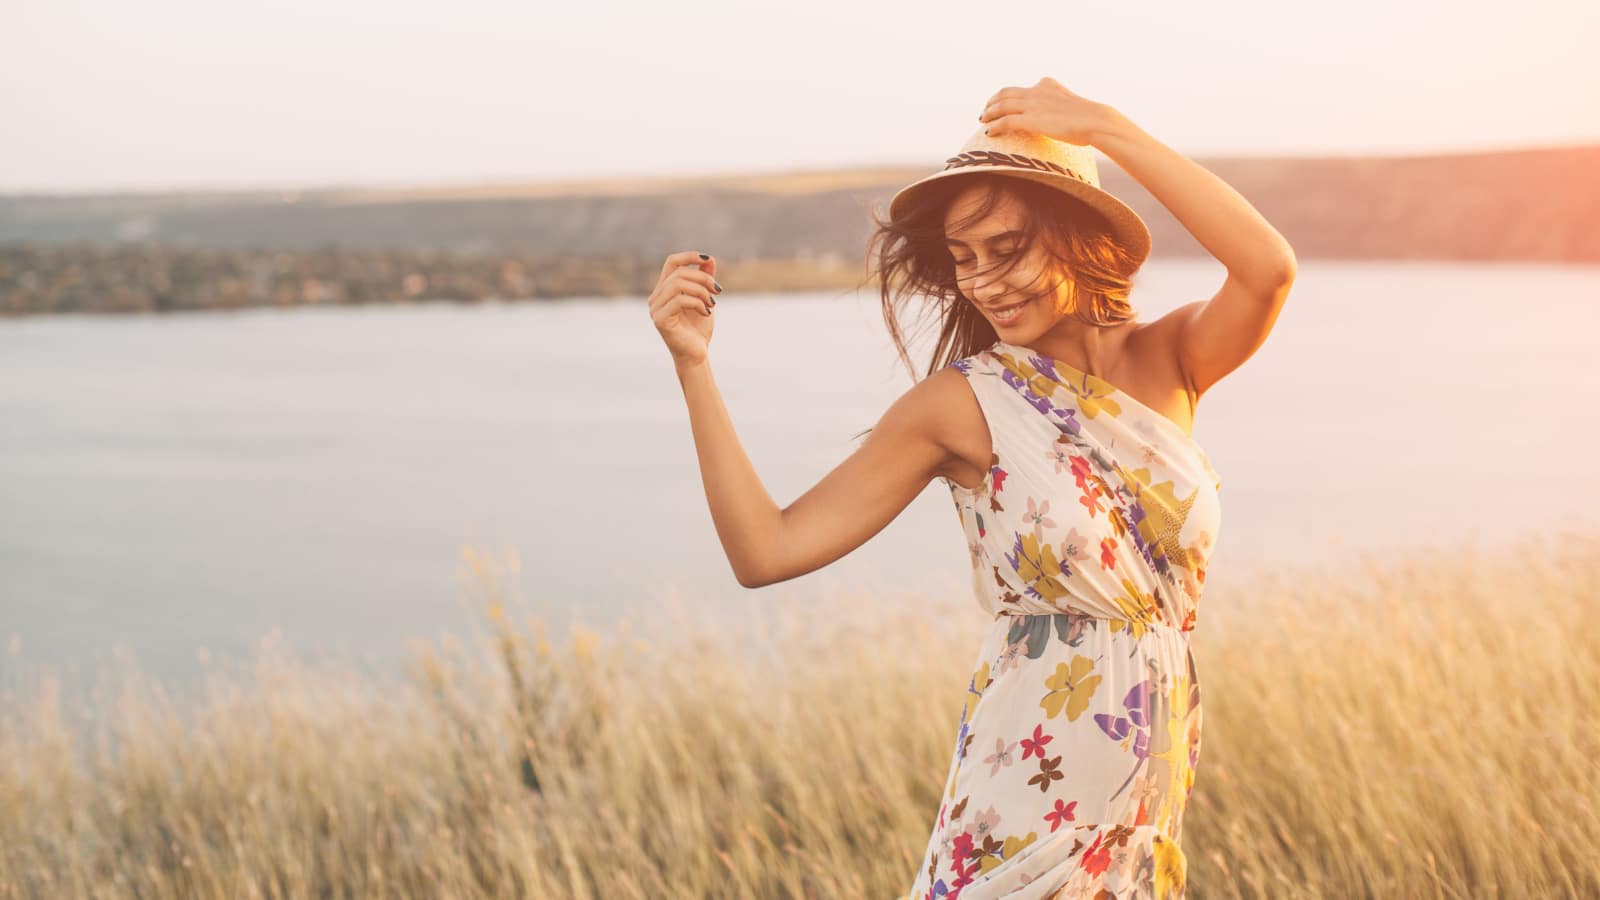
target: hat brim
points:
(1126, 225)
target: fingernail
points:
(715, 286)
(705, 256)
(713, 301)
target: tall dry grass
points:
(1423, 725)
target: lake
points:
(312, 477)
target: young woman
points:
(1061, 424)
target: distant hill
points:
(799, 230)
(1536, 204)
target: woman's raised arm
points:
(766, 544)
(853, 502)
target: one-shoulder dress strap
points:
(1014, 432)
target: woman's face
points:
(1017, 300)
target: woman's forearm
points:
(1220, 218)
(745, 516)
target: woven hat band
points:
(996, 158)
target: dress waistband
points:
(1083, 615)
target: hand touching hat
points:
(1041, 134)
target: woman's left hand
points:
(1047, 108)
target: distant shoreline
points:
(153, 278)
(787, 231)
(134, 278)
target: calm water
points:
(201, 480)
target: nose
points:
(989, 287)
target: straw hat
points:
(1036, 157)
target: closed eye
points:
(1002, 257)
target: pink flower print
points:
(1036, 515)
(954, 828)
(1062, 813)
(1149, 442)
(1074, 547)
(976, 553)
(1203, 541)
(1011, 656)
(1061, 454)
(1146, 790)
(983, 823)
(948, 843)
(1001, 756)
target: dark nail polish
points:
(715, 286)
(705, 256)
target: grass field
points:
(1423, 725)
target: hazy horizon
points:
(297, 95)
(444, 185)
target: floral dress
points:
(1079, 740)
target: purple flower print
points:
(1042, 404)
(1136, 722)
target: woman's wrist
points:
(1112, 126)
(686, 367)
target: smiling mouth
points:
(1007, 314)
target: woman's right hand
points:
(681, 305)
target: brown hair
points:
(912, 261)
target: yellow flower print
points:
(1095, 399)
(1093, 395)
(1037, 567)
(1139, 607)
(1170, 868)
(1169, 751)
(1011, 844)
(1164, 513)
(980, 679)
(1071, 688)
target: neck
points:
(1088, 348)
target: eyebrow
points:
(1004, 234)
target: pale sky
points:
(161, 94)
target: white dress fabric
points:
(1080, 737)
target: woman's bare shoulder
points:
(949, 408)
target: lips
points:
(1007, 314)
